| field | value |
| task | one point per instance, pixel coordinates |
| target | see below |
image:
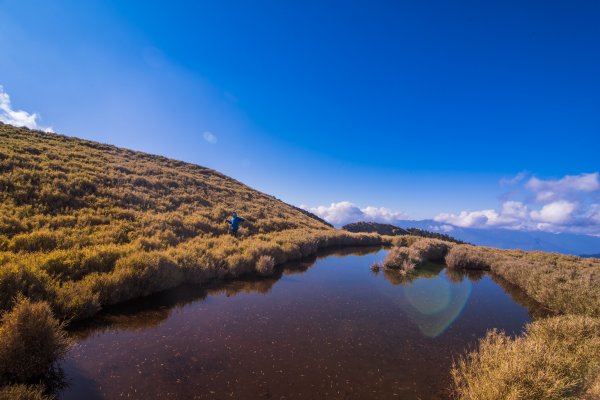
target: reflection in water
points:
(535, 309)
(434, 300)
(321, 328)
(152, 310)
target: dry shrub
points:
(433, 250)
(265, 265)
(400, 259)
(31, 340)
(42, 240)
(75, 301)
(23, 392)
(404, 240)
(137, 275)
(556, 358)
(406, 259)
(22, 280)
(466, 257)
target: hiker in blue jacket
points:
(234, 224)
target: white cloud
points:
(569, 204)
(514, 180)
(17, 117)
(210, 137)
(469, 219)
(514, 209)
(594, 213)
(345, 212)
(441, 228)
(558, 212)
(569, 186)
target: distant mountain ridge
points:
(392, 230)
(590, 255)
(375, 227)
(566, 243)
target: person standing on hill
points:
(234, 224)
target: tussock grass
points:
(418, 252)
(30, 341)
(466, 257)
(400, 259)
(265, 265)
(556, 358)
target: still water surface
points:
(324, 328)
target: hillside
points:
(118, 195)
(83, 224)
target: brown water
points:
(325, 328)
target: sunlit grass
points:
(556, 358)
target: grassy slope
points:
(556, 357)
(84, 224)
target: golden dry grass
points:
(30, 341)
(556, 358)
(23, 392)
(418, 252)
(84, 224)
(563, 284)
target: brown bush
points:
(556, 358)
(265, 265)
(42, 240)
(466, 257)
(137, 275)
(23, 280)
(31, 340)
(433, 250)
(421, 251)
(400, 259)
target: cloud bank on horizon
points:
(570, 204)
(18, 117)
(345, 212)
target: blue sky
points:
(420, 107)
